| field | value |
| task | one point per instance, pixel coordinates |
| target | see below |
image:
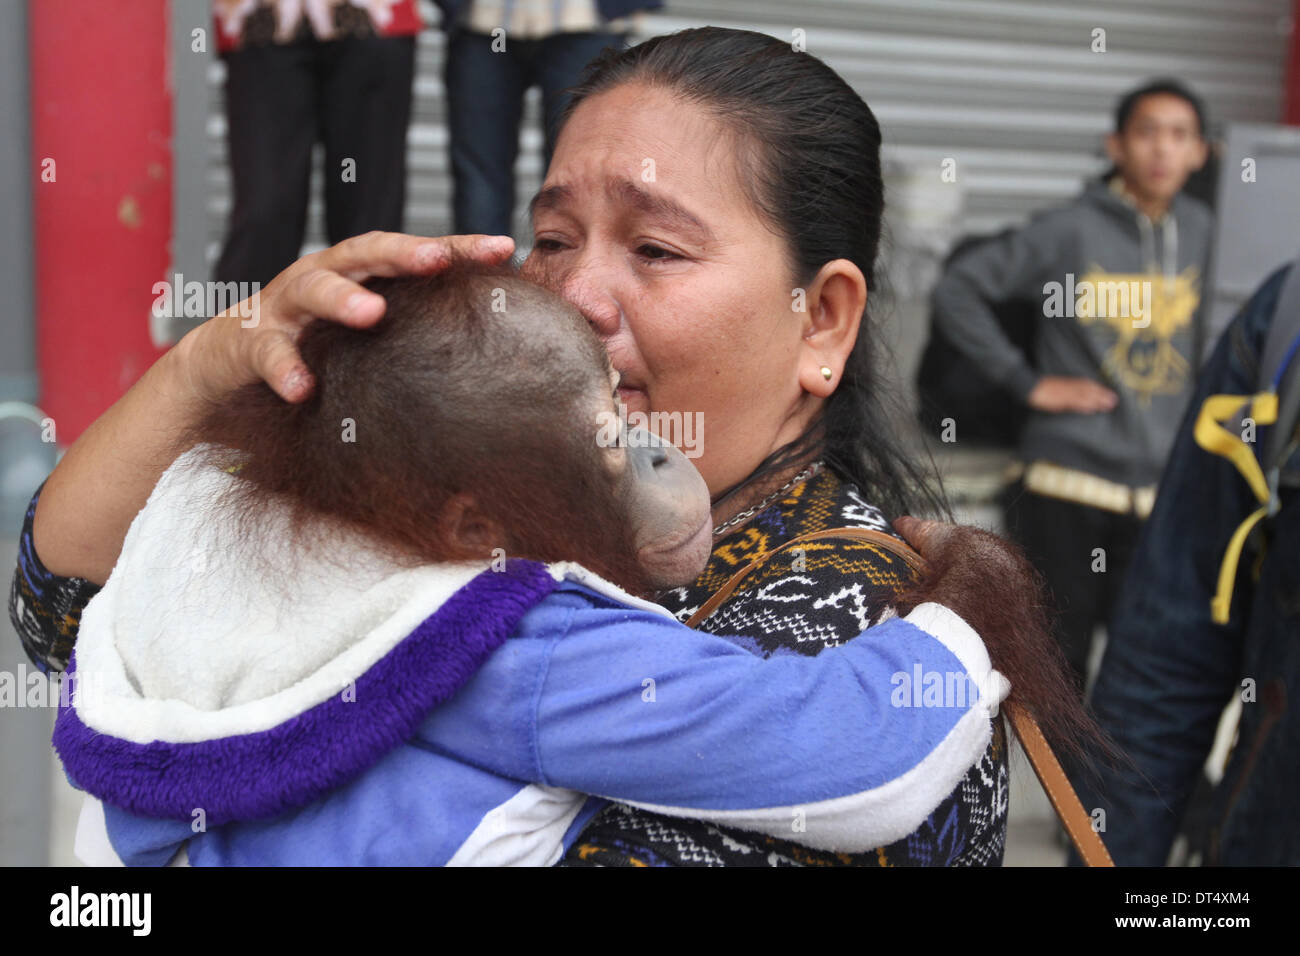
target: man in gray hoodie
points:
(1118, 272)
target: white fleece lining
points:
(107, 702)
(168, 531)
(561, 570)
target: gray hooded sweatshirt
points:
(1119, 295)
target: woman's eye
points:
(548, 245)
(655, 253)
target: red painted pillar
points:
(101, 140)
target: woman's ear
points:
(835, 301)
(468, 529)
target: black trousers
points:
(1061, 538)
(354, 96)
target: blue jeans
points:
(485, 94)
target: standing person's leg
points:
(1061, 539)
(365, 109)
(270, 129)
(560, 63)
(1125, 530)
(485, 95)
(1117, 534)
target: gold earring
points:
(827, 373)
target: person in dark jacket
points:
(1118, 273)
(1170, 669)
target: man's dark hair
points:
(1164, 86)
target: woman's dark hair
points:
(809, 149)
(810, 153)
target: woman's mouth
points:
(634, 398)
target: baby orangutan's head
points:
(470, 418)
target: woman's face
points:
(643, 225)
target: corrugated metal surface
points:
(1011, 89)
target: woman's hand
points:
(236, 348)
(105, 478)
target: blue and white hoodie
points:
(241, 709)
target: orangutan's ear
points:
(468, 529)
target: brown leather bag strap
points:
(1064, 800)
(1046, 767)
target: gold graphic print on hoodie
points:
(1145, 310)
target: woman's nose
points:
(589, 292)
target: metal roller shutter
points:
(1010, 89)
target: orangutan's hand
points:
(983, 578)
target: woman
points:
(713, 208)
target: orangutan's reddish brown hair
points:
(474, 383)
(990, 583)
